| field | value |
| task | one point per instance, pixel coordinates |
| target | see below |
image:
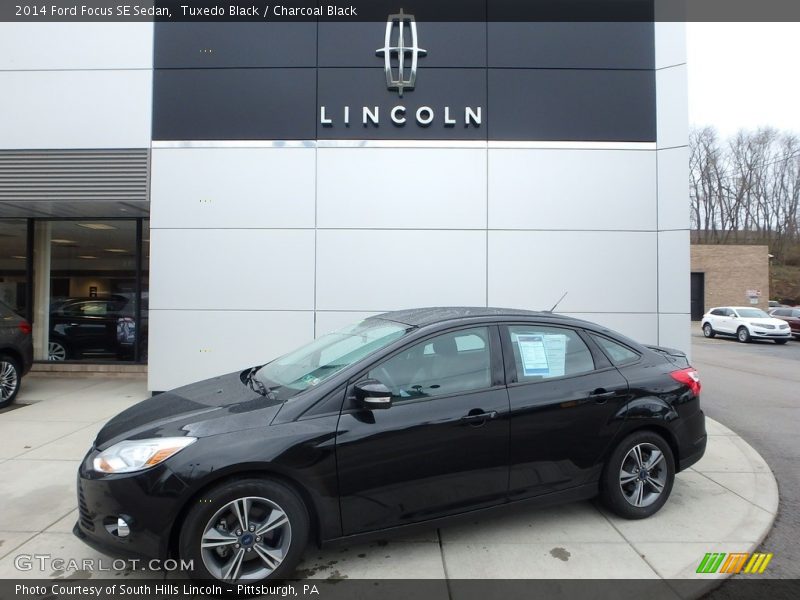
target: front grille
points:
(83, 510)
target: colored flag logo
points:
(734, 563)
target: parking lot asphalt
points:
(755, 390)
(724, 503)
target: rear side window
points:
(548, 352)
(720, 312)
(619, 354)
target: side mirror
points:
(373, 395)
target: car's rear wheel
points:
(57, 350)
(10, 379)
(638, 476)
(245, 530)
(781, 342)
(743, 335)
(708, 330)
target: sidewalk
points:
(725, 503)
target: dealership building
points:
(237, 189)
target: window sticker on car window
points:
(556, 348)
(533, 354)
(309, 380)
(542, 355)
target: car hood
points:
(219, 405)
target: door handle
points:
(478, 417)
(600, 395)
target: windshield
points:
(752, 313)
(313, 363)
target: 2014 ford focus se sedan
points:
(403, 418)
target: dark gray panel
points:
(234, 104)
(572, 105)
(436, 88)
(268, 44)
(96, 209)
(354, 44)
(572, 45)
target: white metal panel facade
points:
(260, 245)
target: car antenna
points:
(557, 303)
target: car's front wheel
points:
(743, 335)
(245, 530)
(10, 379)
(708, 330)
(638, 476)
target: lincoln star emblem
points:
(398, 75)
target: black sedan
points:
(403, 418)
(102, 327)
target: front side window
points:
(456, 362)
(548, 352)
(313, 363)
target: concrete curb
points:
(772, 502)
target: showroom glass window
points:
(548, 352)
(13, 264)
(452, 363)
(96, 279)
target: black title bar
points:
(379, 10)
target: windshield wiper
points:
(257, 386)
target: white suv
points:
(746, 323)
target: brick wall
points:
(730, 271)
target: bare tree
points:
(746, 191)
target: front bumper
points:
(149, 501)
(772, 334)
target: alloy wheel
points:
(248, 538)
(643, 475)
(56, 351)
(9, 380)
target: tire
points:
(743, 335)
(621, 498)
(10, 379)
(57, 351)
(708, 330)
(781, 342)
(213, 517)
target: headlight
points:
(138, 455)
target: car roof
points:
(420, 317)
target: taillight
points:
(25, 327)
(689, 377)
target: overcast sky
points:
(744, 75)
